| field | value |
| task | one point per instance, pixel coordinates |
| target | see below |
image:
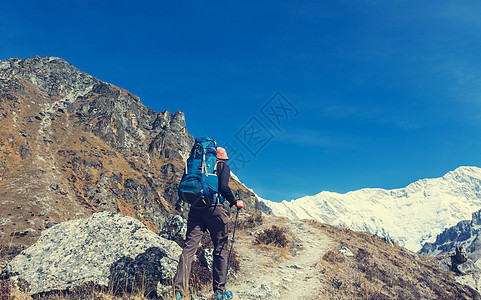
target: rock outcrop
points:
(466, 234)
(106, 249)
(175, 230)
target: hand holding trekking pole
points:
(239, 204)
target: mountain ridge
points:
(399, 214)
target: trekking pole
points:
(228, 294)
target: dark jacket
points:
(223, 175)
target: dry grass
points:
(251, 221)
(277, 241)
(5, 291)
(8, 250)
(86, 291)
(381, 270)
(276, 236)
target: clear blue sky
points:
(380, 93)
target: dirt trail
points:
(270, 273)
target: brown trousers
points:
(216, 221)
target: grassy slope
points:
(379, 269)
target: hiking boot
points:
(219, 295)
(216, 296)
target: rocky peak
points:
(476, 218)
(51, 75)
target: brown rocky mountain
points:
(71, 145)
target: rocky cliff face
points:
(466, 233)
(71, 145)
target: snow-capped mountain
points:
(411, 216)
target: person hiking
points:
(214, 219)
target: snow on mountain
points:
(411, 216)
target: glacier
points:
(411, 216)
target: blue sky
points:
(375, 93)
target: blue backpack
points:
(199, 185)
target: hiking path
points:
(269, 272)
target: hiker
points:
(213, 218)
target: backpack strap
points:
(219, 169)
(204, 167)
(185, 169)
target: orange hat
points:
(221, 153)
